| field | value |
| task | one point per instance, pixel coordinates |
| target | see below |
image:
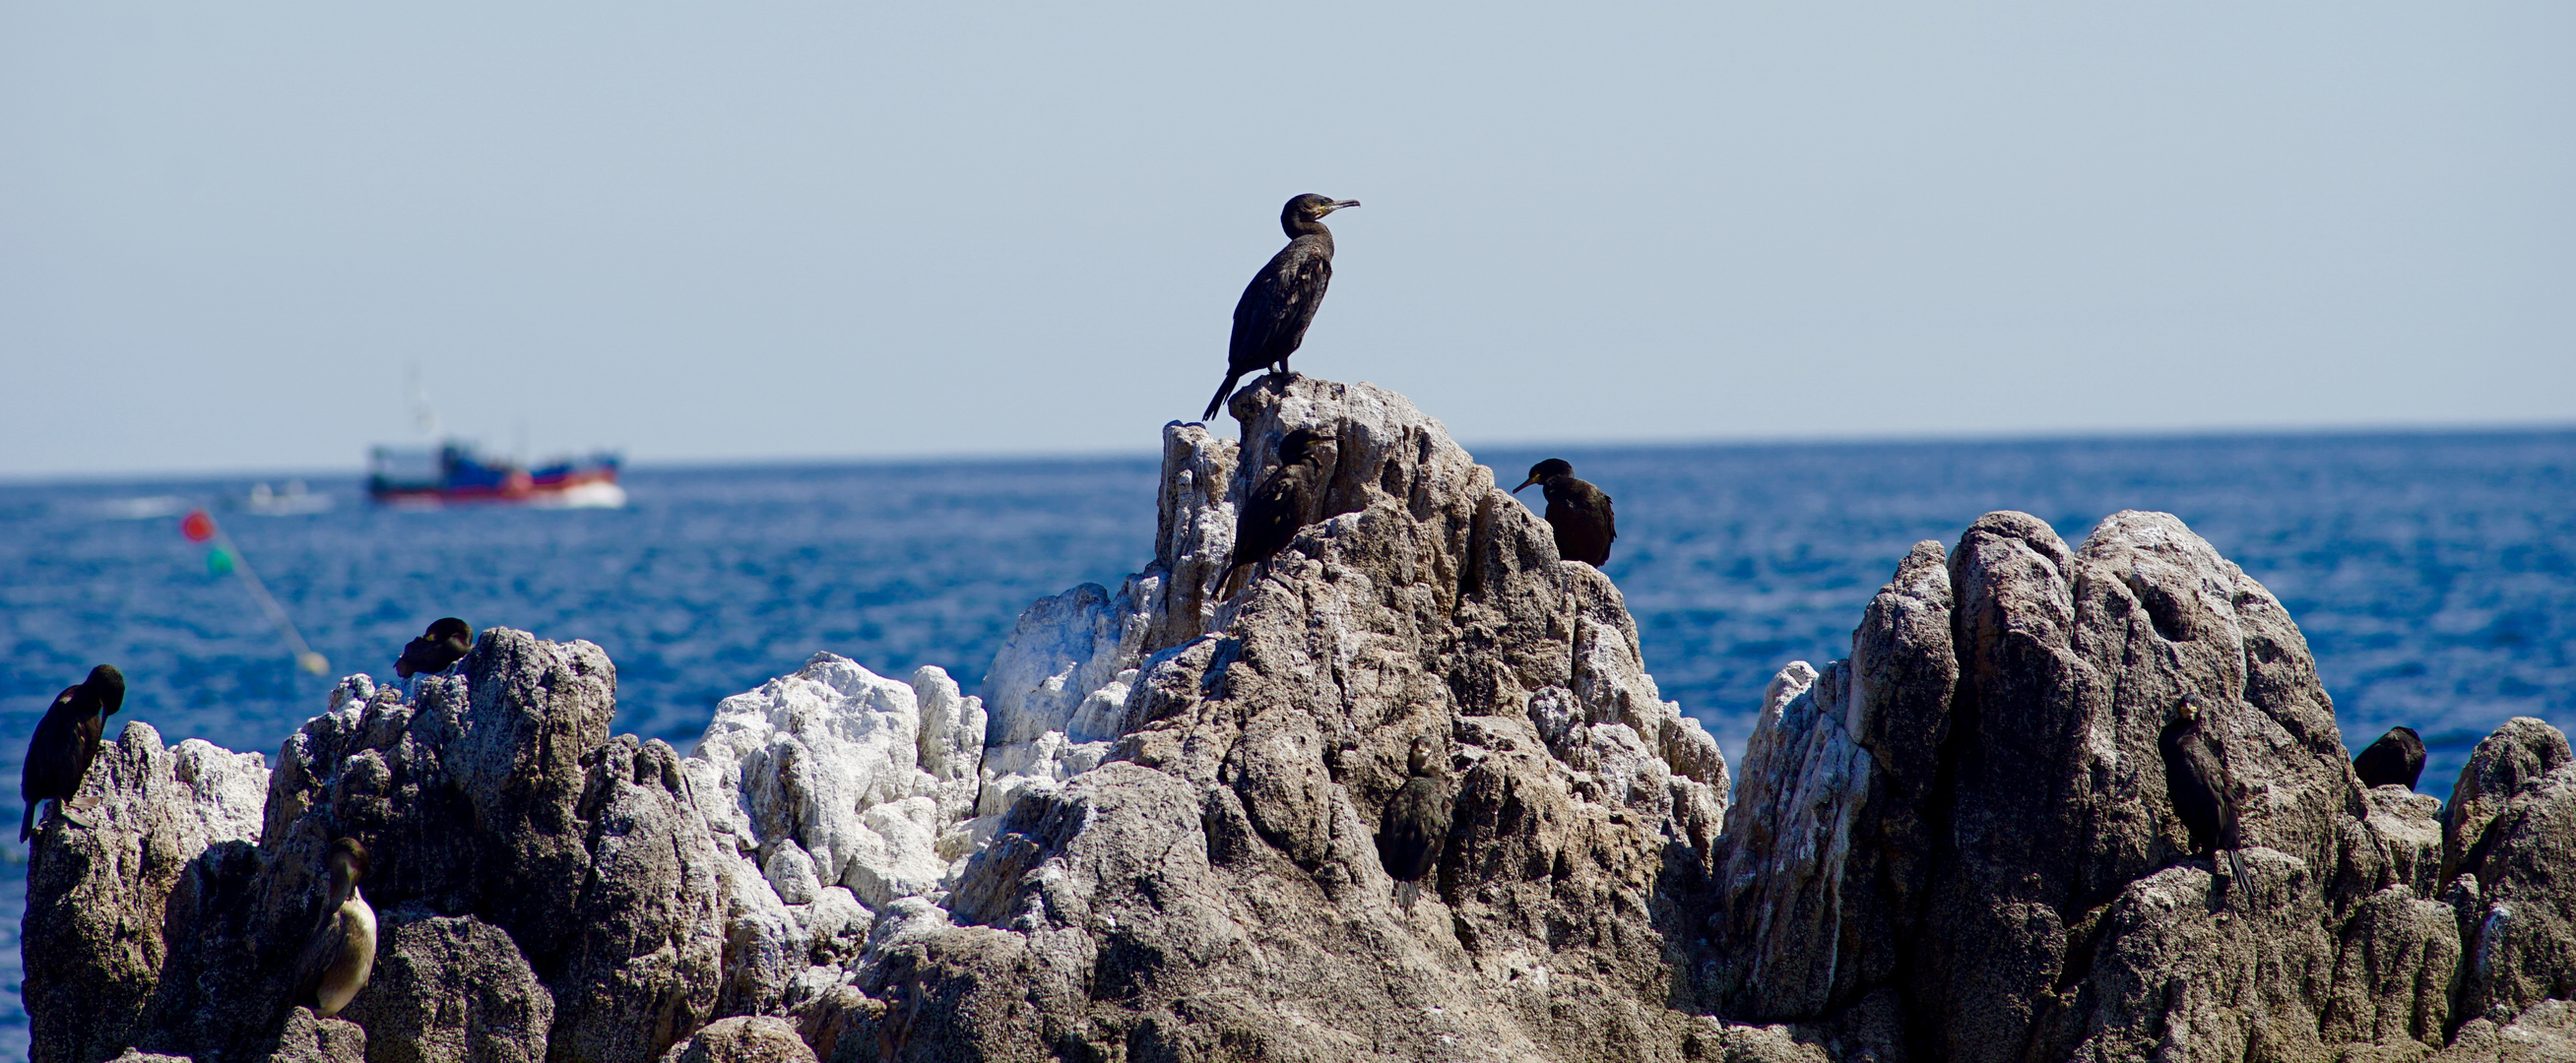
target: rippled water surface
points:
(2434, 575)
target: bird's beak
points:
(1339, 204)
(1525, 483)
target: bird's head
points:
(450, 629)
(2190, 712)
(107, 685)
(1418, 761)
(347, 857)
(1301, 444)
(1311, 208)
(1541, 471)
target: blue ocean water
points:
(2434, 574)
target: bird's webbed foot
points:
(74, 818)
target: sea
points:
(2434, 574)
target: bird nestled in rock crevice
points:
(2197, 780)
(340, 953)
(1291, 497)
(2397, 759)
(1414, 825)
(1579, 512)
(1270, 319)
(66, 743)
(438, 649)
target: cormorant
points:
(1578, 511)
(2203, 794)
(446, 642)
(2398, 757)
(1271, 318)
(341, 952)
(1286, 500)
(65, 743)
(1415, 823)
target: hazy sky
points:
(714, 232)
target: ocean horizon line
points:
(1596, 445)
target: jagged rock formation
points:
(1964, 827)
(1150, 839)
(548, 891)
(104, 898)
(743, 1039)
(1212, 888)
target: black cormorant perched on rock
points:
(446, 642)
(1286, 500)
(65, 743)
(2397, 758)
(2196, 779)
(1271, 318)
(341, 952)
(1415, 823)
(1578, 511)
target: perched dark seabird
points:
(2196, 779)
(1271, 318)
(1578, 511)
(1415, 823)
(65, 743)
(2398, 757)
(1287, 499)
(446, 642)
(341, 952)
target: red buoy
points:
(197, 526)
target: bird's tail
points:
(2236, 863)
(1222, 390)
(27, 826)
(1405, 892)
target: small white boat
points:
(292, 501)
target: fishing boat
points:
(457, 472)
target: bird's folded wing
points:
(1279, 303)
(320, 952)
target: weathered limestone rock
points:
(837, 776)
(168, 820)
(2521, 902)
(1156, 844)
(745, 1039)
(451, 989)
(309, 1038)
(2544, 1034)
(2518, 752)
(830, 791)
(1993, 837)
(1211, 889)
(1827, 846)
(642, 963)
(2071, 664)
(498, 812)
(1057, 692)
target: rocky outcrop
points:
(544, 891)
(2514, 825)
(101, 903)
(745, 1039)
(1212, 888)
(452, 988)
(1151, 837)
(1968, 818)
